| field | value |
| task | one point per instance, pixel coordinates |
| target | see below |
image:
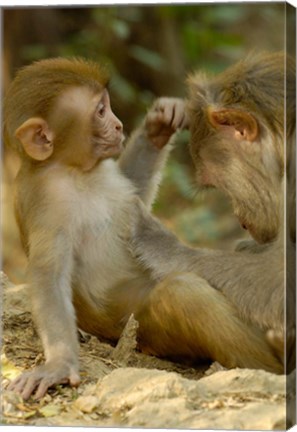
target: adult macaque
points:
(237, 144)
(76, 208)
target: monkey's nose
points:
(119, 126)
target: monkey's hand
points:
(40, 379)
(165, 117)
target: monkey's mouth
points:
(108, 150)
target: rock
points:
(234, 399)
(86, 404)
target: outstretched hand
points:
(166, 116)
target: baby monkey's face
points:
(107, 129)
(86, 129)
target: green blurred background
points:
(150, 50)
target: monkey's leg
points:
(183, 316)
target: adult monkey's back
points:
(238, 130)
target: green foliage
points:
(120, 28)
(33, 52)
(149, 58)
(177, 175)
(123, 87)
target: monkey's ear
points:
(36, 138)
(239, 124)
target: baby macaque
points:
(75, 204)
(76, 208)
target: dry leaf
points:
(50, 410)
(9, 370)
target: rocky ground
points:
(122, 387)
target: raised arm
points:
(149, 146)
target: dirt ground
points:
(122, 387)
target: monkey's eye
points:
(101, 110)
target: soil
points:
(123, 387)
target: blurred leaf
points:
(120, 28)
(50, 410)
(197, 225)
(122, 87)
(191, 41)
(146, 98)
(9, 370)
(131, 13)
(181, 12)
(34, 52)
(28, 414)
(177, 174)
(149, 58)
(231, 53)
(226, 14)
(102, 15)
(229, 40)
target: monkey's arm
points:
(238, 275)
(159, 250)
(49, 272)
(148, 148)
(142, 163)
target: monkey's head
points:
(59, 110)
(237, 137)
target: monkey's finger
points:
(155, 117)
(74, 379)
(154, 122)
(160, 104)
(14, 384)
(180, 122)
(44, 385)
(169, 114)
(179, 116)
(19, 384)
(29, 387)
(185, 123)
